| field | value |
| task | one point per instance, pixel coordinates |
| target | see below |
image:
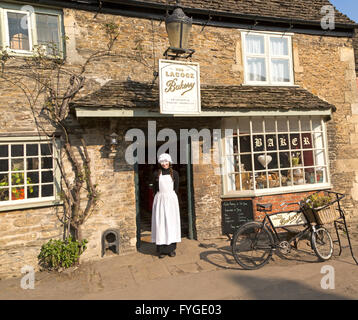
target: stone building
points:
(269, 72)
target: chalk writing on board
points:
(235, 213)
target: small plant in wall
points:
(56, 255)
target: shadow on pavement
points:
(260, 288)
(223, 258)
(220, 257)
(148, 248)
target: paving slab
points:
(143, 272)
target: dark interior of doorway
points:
(145, 174)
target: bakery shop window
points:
(278, 153)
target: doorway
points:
(145, 197)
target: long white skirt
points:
(166, 218)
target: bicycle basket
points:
(321, 208)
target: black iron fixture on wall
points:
(111, 145)
(178, 26)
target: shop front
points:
(255, 154)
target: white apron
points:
(165, 213)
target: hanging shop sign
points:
(179, 87)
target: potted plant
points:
(295, 159)
(18, 193)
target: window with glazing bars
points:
(26, 172)
(276, 152)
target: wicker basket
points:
(322, 215)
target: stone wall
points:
(322, 65)
(21, 235)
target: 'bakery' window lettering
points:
(276, 152)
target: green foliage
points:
(4, 57)
(57, 254)
(295, 158)
(111, 28)
(317, 200)
(4, 182)
(4, 195)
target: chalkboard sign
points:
(235, 213)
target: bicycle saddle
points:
(264, 207)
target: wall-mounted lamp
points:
(111, 145)
(178, 27)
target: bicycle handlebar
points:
(338, 195)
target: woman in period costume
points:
(166, 231)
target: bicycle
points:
(254, 242)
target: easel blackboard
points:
(235, 213)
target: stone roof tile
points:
(306, 10)
(132, 94)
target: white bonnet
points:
(165, 157)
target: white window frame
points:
(40, 201)
(268, 58)
(6, 28)
(4, 37)
(276, 190)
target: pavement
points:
(202, 270)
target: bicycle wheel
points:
(322, 244)
(252, 245)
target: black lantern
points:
(110, 148)
(178, 27)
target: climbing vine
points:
(49, 85)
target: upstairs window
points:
(48, 32)
(267, 59)
(17, 31)
(26, 28)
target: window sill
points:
(271, 192)
(259, 84)
(30, 205)
(31, 54)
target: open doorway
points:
(146, 197)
